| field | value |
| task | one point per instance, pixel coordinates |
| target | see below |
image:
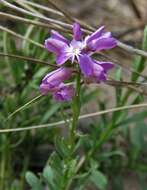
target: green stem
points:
(76, 111)
(2, 174)
(105, 136)
(25, 166)
(5, 170)
(72, 133)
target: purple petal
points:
(98, 73)
(54, 45)
(77, 32)
(52, 73)
(44, 88)
(106, 65)
(62, 58)
(95, 34)
(57, 36)
(65, 93)
(102, 77)
(55, 78)
(103, 44)
(86, 65)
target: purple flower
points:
(95, 70)
(53, 83)
(81, 49)
(99, 40)
(55, 78)
(64, 93)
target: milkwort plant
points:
(63, 166)
(96, 156)
(62, 170)
(78, 50)
(84, 69)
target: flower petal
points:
(64, 93)
(44, 88)
(57, 36)
(86, 65)
(98, 73)
(103, 43)
(95, 34)
(55, 78)
(77, 32)
(102, 77)
(106, 65)
(62, 58)
(55, 46)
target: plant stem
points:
(27, 59)
(21, 37)
(25, 167)
(5, 169)
(76, 111)
(72, 131)
(42, 17)
(2, 174)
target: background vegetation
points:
(110, 148)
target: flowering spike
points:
(65, 50)
(81, 51)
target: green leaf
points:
(61, 146)
(137, 135)
(144, 43)
(118, 89)
(82, 181)
(99, 179)
(134, 118)
(52, 110)
(41, 72)
(33, 181)
(15, 185)
(118, 74)
(143, 181)
(48, 174)
(94, 164)
(139, 62)
(117, 183)
(112, 153)
(56, 163)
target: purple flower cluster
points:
(53, 82)
(78, 50)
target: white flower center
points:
(73, 51)
(76, 51)
(75, 48)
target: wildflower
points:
(55, 78)
(64, 93)
(80, 49)
(95, 70)
(53, 82)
